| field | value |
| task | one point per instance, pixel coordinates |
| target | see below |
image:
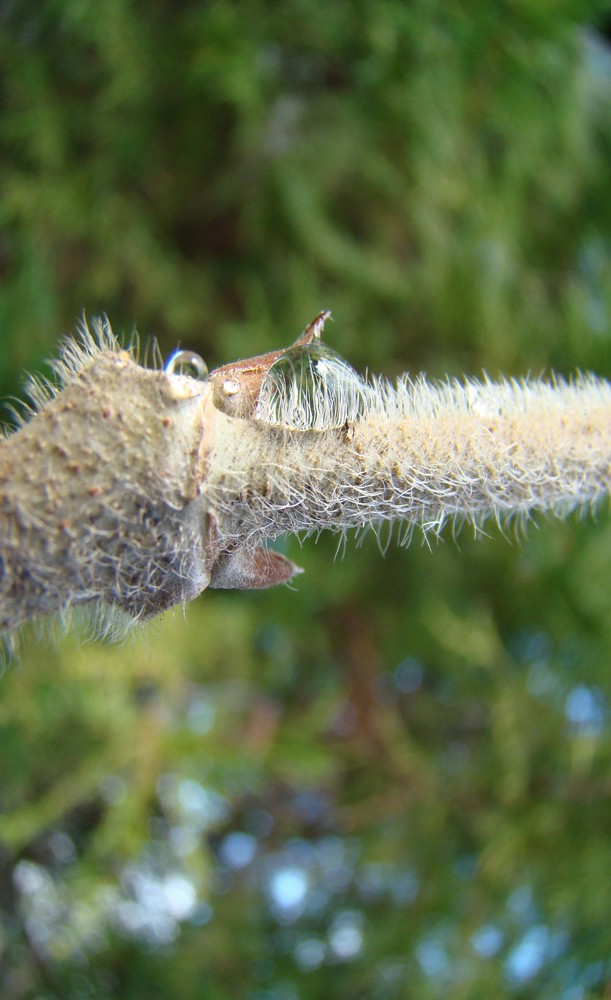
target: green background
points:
(392, 781)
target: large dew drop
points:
(187, 363)
(311, 387)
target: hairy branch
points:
(136, 489)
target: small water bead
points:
(311, 387)
(187, 363)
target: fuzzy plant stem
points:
(135, 489)
(421, 454)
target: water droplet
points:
(311, 387)
(187, 363)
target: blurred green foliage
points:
(392, 782)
